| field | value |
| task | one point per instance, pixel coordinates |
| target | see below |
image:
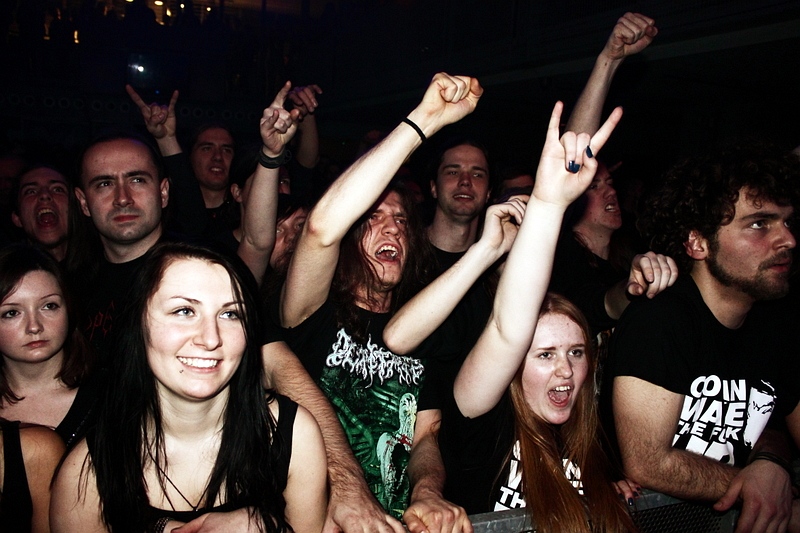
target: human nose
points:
(786, 239)
(34, 323)
(563, 367)
(216, 154)
(207, 336)
(122, 196)
(390, 226)
(465, 179)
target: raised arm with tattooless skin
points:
(447, 100)
(484, 377)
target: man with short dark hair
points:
(211, 156)
(461, 190)
(122, 188)
(695, 375)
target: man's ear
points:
(236, 192)
(433, 190)
(82, 201)
(15, 219)
(696, 246)
(164, 193)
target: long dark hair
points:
(130, 421)
(553, 502)
(354, 271)
(16, 261)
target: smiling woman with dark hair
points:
(187, 431)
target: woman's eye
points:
(545, 355)
(51, 306)
(10, 313)
(576, 353)
(183, 311)
(231, 315)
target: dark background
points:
(718, 70)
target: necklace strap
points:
(174, 486)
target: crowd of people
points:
(193, 340)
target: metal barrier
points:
(652, 512)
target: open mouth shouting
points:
(46, 217)
(387, 252)
(560, 395)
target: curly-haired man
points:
(696, 373)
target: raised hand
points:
(568, 165)
(305, 100)
(632, 34)
(159, 119)
(448, 99)
(502, 223)
(651, 273)
(278, 125)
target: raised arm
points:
(447, 100)
(305, 101)
(260, 207)
(632, 34)
(650, 274)
(189, 215)
(160, 121)
(426, 311)
(484, 376)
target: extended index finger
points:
(280, 98)
(136, 98)
(173, 100)
(599, 139)
(555, 122)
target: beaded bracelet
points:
(160, 525)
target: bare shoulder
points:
(42, 448)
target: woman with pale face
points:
(44, 357)
(524, 400)
(187, 432)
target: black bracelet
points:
(274, 162)
(159, 525)
(416, 128)
(774, 458)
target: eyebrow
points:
(197, 302)
(768, 215)
(458, 165)
(209, 143)
(51, 182)
(51, 295)
(129, 174)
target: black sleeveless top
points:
(284, 431)
(16, 506)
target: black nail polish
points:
(589, 151)
(573, 167)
